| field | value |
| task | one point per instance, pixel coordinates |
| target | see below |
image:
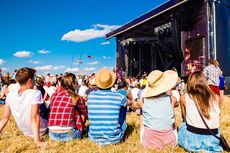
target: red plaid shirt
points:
(64, 113)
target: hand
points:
(169, 93)
(129, 95)
(42, 144)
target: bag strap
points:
(204, 121)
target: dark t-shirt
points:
(94, 88)
(42, 90)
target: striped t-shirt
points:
(103, 112)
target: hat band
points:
(157, 82)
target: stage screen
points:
(193, 55)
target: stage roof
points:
(146, 17)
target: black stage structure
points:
(176, 34)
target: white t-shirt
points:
(50, 90)
(20, 106)
(134, 92)
(13, 87)
(82, 90)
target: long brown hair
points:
(67, 82)
(197, 87)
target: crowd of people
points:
(61, 105)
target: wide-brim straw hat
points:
(159, 82)
(105, 78)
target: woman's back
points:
(158, 113)
(193, 118)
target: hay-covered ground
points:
(12, 140)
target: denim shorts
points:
(67, 136)
(2, 102)
(197, 142)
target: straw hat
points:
(105, 78)
(159, 82)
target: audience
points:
(64, 104)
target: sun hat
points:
(105, 78)
(159, 82)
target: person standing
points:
(212, 73)
(104, 107)
(24, 103)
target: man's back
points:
(104, 108)
(20, 106)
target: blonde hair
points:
(67, 82)
(214, 62)
(198, 89)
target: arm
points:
(35, 123)
(138, 104)
(6, 117)
(83, 108)
(183, 108)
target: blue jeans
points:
(2, 102)
(67, 136)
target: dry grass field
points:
(12, 140)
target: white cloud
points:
(2, 61)
(43, 51)
(105, 43)
(59, 67)
(34, 62)
(97, 31)
(110, 68)
(106, 57)
(4, 69)
(22, 54)
(80, 71)
(49, 68)
(93, 63)
(44, 68)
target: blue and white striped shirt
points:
(103, 112)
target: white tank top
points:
(193, 118)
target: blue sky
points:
(53, 35)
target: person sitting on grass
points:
(24, 103)
(158, 129)
(104, 107)
(67, 111)
(5, 91)
(193, 134)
